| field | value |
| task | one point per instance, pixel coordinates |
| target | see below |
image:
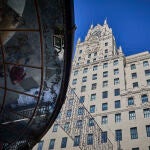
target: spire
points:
(105, 21)
(91, 26)
(79, 41)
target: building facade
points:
(115, 90)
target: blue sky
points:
(129, 20)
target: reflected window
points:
(52, 144)
(104, 137)
(76, 140)
(89, 139)
(55, 127)
(64, 142)
(40, 145)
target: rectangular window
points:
(76, 140)
(93, 86)
(106, 51)
(104, 106)
(105, 74)
(91, 122)
(95, 68)
(74, 81)
(80, 51)
(105, 65)
(134, 75)
(148, 82)
(52, 144)
(105, 83)
(145, 63)
(148, 130)
(144, 98)
(136, 148)
(64, 142)
(94, 77)
(79, 58)
(80, 111)
(104, 120)
(89, 139)
(93, 96)
(79, 124)
(82, 98)
(75, 72)
(83, 88)
(85, 70)
(134, 133)
(66, 126)
(117, 104)
(130, 101)
(116, 62)
(40, 145)
(70, 101)
(147, 72)
(105, 94)
(94, 59)
(55, 127)
(95, 53)
(89, 55)
(146, 113)
(132, 115)
(72, 90)
(84, 79)
(92, 109)
(116, 81)
(116, 71)
(104, 137)
(69, 113)
(118, 117)
(106, 44)
(135, 84)
(118, 134)
(116, 92)
(133, 66)
(88, 61)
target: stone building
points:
(115, 89)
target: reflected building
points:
(36, 40)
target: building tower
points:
(115, 90)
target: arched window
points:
(144, 98)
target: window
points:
(117, 117)
(82, 98)
(88, 61)
(118, 134)
(95, 68)
(146, 113)
(144, 98)
(94, 86)
(64, 142)
(136, 148)
(79, 58)
(148, 82)
(105, 65)
(84, 79)
(51, 144)
(116, 62)
(73, 90)
(77, 64)
(147, 72)
(93, 96)
(83, 88)
(79, 124)
(105, 74)
(66, 126)
(68, 113)
(134, 75)
(76, 140)
(85, 70)
(89, 139)
(80, 111)
(92, 109)
(133, 66)
(106, 44)
(59, 116)
(40, 145)
(89, 55)
(70, 102)
(145, 63)
(117, 92)
(105, 94)
(91, 122)
(148, 130)
(134, 133)
(135, 84)
(106, 50)
(117, 104)
(104, 106)
(116, 71)
(130, 101)
(55, 127)
(75, 72)
(74, 81)
(116, 81)
(105, 56)
(94, 77)
(95, 53)
(104, 137)
(94, 59)
(104, 120)
(132, 115)
(80, 51)
(105, 83)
